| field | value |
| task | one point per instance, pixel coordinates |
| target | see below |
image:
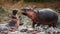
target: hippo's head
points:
(28, 12)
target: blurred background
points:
(6, 7)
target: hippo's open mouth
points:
(24, 14)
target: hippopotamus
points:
(43, 16)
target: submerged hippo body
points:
(44, 16)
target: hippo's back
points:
(45, 16)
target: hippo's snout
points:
(24, 13)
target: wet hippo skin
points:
(46, 17)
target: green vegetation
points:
(39, 1)
(2, 10)
(15, 1)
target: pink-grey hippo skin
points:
(43, 16)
